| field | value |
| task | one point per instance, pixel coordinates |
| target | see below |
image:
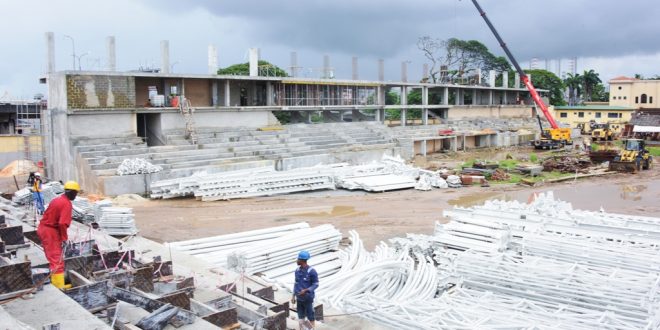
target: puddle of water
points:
(471, 200)
(337, 211)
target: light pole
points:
(79, 60)
(73, 47)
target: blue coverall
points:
(306, 278)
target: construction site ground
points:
(379, 216)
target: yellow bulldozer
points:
(633, 158)
(602, 132)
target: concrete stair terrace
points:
(221, 146)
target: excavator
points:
(553, 137)
(633, 158)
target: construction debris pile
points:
(566, 164)
(509, 265)
(388, 174)
(132, 166)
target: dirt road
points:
(379, 216)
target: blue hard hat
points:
(303, 255)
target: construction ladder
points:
(186, 111)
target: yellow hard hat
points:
(72, 185)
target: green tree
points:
(599, 94)
(243, 69)
(590, 79)
(543, 79)
(574, 84)
(458, 58)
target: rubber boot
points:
(57, 280)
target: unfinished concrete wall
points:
(489, 112)
(198, 91)
(214, 118)
(90, 92)
(102, 124)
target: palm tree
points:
(574, 84)
(589, 80)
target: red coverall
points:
(52, 231)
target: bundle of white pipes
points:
(186, 186)
(214, 250)
(137, 166)
(282, 251)
(118, 221)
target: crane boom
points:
(525, 79)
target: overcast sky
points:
(612, 37)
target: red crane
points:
(525, 79)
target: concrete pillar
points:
(254, 61)
(516, 79)
(381, 70)
(270, 94)
(309, 117)
(425, 103)
(490, 97)
(213, 60)
(326, 67)
(227, 102)
(164, 56)
(491, 78)
(381, 96)
(459, 96)
(354, 64)
(110, 48)
(479, 76)
(404, 105)
(504, 97)
(422, 147)
(355, 115)
(50, 54)
(474, 97)
(445, 96)
(404, 71)
(294, 64)
(425, 72)
(505, 79)
(214, 93)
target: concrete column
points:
(516, 79)
(425, 102)
(294, 64)
(213, 60)
(381, 96)
(110, 48)
(227, 102)
(491, 78)
(504, 97)
(326, 67)
(50, 54)
(505, 79)
(404, 105)
(253, 61)
(404, 71)
(354, 65)
(214, 93)
(422, 147)
(459, 96)
(355, 115)
(490, 97)
(270, 94)
(164, 56)
(309, 117)
(445, 96)
(425, 72)
(479, 76)
(381, 70)
(474, 97)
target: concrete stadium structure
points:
(95, 120)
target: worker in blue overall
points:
(307, 280)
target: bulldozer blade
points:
(629, 167)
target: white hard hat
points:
(37, 174)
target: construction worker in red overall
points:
(52, 231)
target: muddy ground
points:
(379, 216)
